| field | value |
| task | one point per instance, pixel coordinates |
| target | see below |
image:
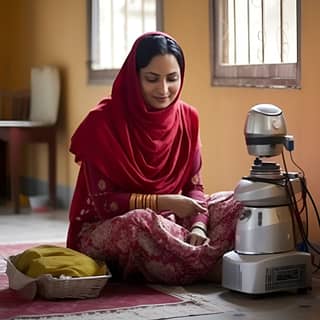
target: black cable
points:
(297, 213)
(292, 160)
(295, 216)
(313, 203)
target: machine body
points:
(265, 259)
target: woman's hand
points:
(197, 237)
(181, 205)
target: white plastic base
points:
(260, 274)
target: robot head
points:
(265, 131)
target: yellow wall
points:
(55, 32)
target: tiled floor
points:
(33, 227)
(52, 226)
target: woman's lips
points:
(161, 99)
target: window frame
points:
(285, 75)
(107, 76)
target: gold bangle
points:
(145, 201)
(139, 202)
(142, 201)
(132, 201)
(148, 201)
(153, 202)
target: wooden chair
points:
(36, 125)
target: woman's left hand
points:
(197, 237)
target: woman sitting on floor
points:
(139, 202)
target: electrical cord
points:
(296, 213)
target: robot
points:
(265, 258)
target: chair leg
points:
(52, 172)
(3, 170)
(14, 156)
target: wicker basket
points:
(50, 287)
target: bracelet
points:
(143, 201)
(132, 201)
(154, 202)
(198, 227)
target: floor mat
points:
(117, 301)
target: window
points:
(256, 43)
(113, 27)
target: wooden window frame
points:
(285, 75)
(106, 76)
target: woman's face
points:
(160, 81)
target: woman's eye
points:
(172, 79)
(152, 79)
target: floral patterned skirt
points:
(145, 243)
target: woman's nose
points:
(163, 87)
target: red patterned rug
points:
(128, 301)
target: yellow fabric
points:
(57, 261)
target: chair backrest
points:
(45, 94)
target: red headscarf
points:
(137, 149)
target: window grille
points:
(114, 25)
(256, 42)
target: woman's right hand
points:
(181, 205)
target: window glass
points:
(113, 27)
(256, 42)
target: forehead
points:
(166, 63)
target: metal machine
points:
(265, 258)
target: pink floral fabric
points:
(144, 242)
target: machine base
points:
(264, 273)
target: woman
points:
(139, 201)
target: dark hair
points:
(154, 45)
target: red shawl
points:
(137, 149)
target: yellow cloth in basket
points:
(57, 261)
